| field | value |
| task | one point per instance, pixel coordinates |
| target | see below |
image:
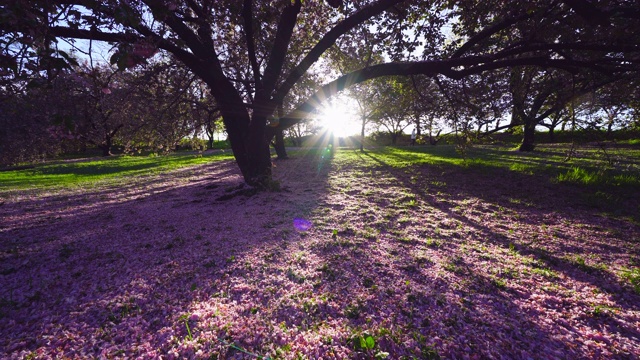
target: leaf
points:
(370, 342)
(115, 57)
(70, 60)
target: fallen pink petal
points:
(427, 263)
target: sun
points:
(340, 118)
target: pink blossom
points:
(109, 271)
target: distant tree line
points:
(153, 108)
(516, 101)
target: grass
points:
(587, 166)
(606, 175)
(633, 277)
(68, 174)
(599, 177)
(553, 160)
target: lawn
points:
(79, 172)
(402, 253)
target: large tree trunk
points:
(528, 139)
(108, 141)
(278, 145)
(611, 120)
(209, 132)
(364, 122)
(106, 147)
(250, 147)
(259, 169)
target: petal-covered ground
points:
(352, 259)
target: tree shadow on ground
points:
(412, 256)
(109, 271)
(480, 209)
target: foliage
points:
(256, 56)
(599, 177)
(66, 174)
(31, 129)
(394, 115)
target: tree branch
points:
(487, 32)
(328, 40)
(247, 14)
(187, 35)
(467, 66)
(280, 46)
(66, 32)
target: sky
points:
(340, 115)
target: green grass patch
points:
(608, 177)
(629, 142)
(633, 277)
(586, 167)
(581, 176)
(560, 162)
(481, 157)
(65, 174)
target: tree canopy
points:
(253, 55)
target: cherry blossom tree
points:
(31, 129)
(102, 99)
(169, 105)
(252, 54)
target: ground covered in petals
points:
(369, 255)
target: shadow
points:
(529, 199)
(610, 196)
(117, 266)
(425, 259)
(465, 196)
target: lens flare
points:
(302, 224)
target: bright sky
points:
(100, 50)
(340, 115)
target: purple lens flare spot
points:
(302, 224)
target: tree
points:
(615, 100)
(102, 99)
(31, 129)
(170, 105)
(395, 97)
(153, 107)
(430, 107)
(251, 58)
(368, 102)
(538, 94)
